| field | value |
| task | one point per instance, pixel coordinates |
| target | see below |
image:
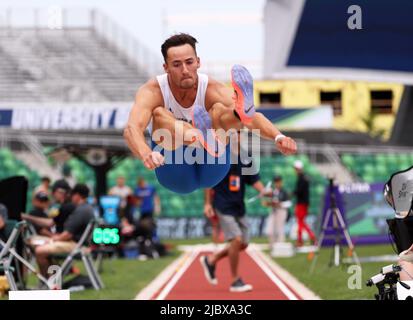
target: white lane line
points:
(287, 292)
(203, 247)
(149, 291)
(177, 275)
(304, 292)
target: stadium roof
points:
(317, 41)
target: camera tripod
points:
(339, 227)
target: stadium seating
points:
(191, 205)
(283, 166)
(81, 172)
(71, 65)
(368, 167)
(376, 167)
(173, 205)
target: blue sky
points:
(228, 31)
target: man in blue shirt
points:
(228, 205)
(148, 199)
(149, 204)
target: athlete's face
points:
(182, 65)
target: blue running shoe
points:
(201, 120)
(242, 83)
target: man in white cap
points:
(302, 193)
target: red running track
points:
(192, 285)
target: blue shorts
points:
(202, 171)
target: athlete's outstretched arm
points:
(134, 133)
(219, 94)
(268, 130)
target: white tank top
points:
(172, 105)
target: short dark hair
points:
(178, 40)
(41, 196)
(44, 179)
(81, 189)
(277, 178)
(61, 184)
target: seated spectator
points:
(3, 236)
(40, 206)
(3, 219)
(58, 212)
(63, 205)
(74, 227)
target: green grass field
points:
(330, 282)
(124, 278)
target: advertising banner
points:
(114, 117)
(364, 212)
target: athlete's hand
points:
(286, 145)
(153, 160)
(209, 211)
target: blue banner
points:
(364, 212)
(5, 117)
(69, 117)
(103, 117)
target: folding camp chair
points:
(8, 254)
(80, 251)
(29, 231)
